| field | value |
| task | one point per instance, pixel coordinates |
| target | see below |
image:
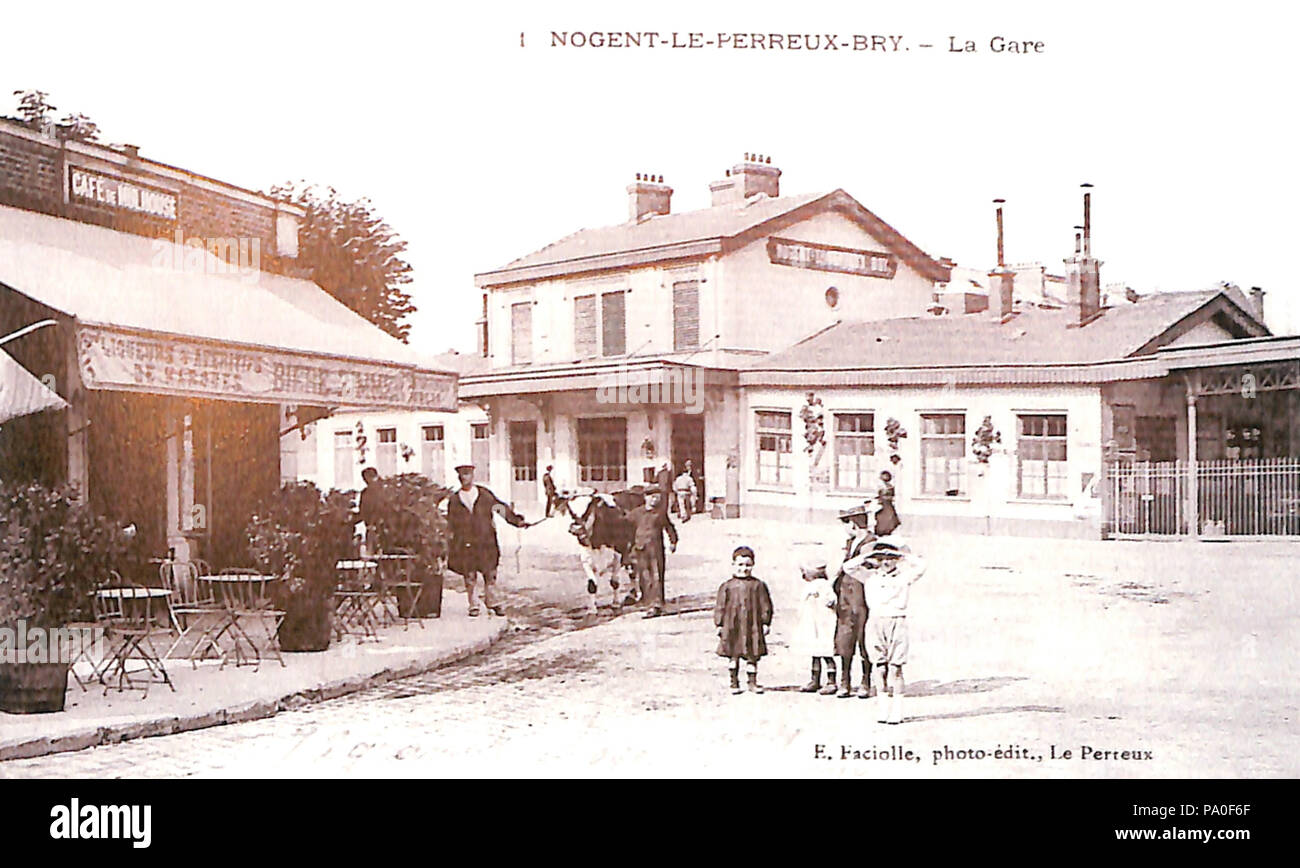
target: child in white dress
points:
(814, 634)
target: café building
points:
(186, 339)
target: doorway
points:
(523, 462)
(688, 445)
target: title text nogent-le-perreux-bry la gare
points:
(767, 41)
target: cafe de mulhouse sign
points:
(827, 257)
(166, 365)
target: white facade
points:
(333, 451)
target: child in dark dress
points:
(743, 615)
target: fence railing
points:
(1256, 497)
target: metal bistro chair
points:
(132, 616)
(197, 615)
(94, 628)
(355, 599)
(247, 599)
(401, 592)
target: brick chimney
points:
(1082, 271)
(1002, 280)
(1257, 302)
(755, 175)
(648, 195)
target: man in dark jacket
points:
(851, 603)
(474, 549)
(649, 524)
(664, 485)
(548, 485)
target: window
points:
(1157, 438)
(774, 442)
(386, 452)
(602, 449)
(855, 450)
(344, 460)
(523, 451)
(613, 324)
(686, 315)
(521, 333)
(1243, 442)
(586, 327)
(480, 454)
(483, 329)
(1041, 457)
(306, 451)
(943, 453)
(1124, 427)
(433, 454)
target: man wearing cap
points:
(474, 549)
(649, 524)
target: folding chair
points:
(401, 591)
(195, 612)
(355, 599)
(132, 615)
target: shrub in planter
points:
(54, 552)
(299, 535)
(402, 513)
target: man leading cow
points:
(474, 550)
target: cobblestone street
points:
(1111, 655)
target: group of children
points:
(863, 611)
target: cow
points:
(599, 523)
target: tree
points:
(35, 110)
(353, 254)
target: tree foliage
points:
(353, 254)
(35, 111)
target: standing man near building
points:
(548, 485)
(684, 488)
(474, 549)
(649, 524)
(664, 485)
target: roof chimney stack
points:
(1257, 302)
(648, 195)
(1002, 280)
(755, 175)
(1082, 271)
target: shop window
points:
(521, 333)
(613, 324)
(344, 460)
(1124, 427)
(433, 460)
(686, 315)
(523, 451)
(855, 450)
(1243, 442)
(943, 453)
(1041, 457)
(602, 449)
(772, 428)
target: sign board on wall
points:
(172, 365)
(100, 189)
(827, 257)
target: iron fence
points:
(1255, 497)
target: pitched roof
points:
(663, 236)
(1032, 337)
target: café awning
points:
(158, 316)
(21, 394)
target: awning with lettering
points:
(157, 316)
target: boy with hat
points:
(850, 602)
(890, 570)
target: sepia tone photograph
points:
(560, 390)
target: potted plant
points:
(300, 535)
(54, 552)
(405, 516)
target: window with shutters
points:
(602, 449)
(1041, 457)
(943, 453)
(772, 429)
(386, 452)
(686, 315)
(344, 460)
(433, 454)
(613, 324)
(586, 325)
(855, 451)
(521, 333)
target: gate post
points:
(1193, 490)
